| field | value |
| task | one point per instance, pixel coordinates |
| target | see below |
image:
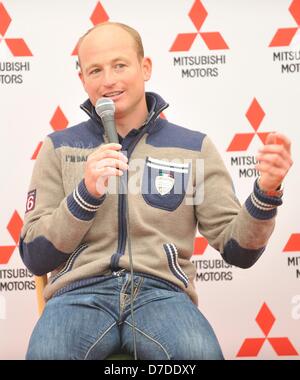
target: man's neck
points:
(134, 121)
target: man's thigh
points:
(169, 326)
(74, 326)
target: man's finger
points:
(278, 139)
(271, 138)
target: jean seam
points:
(149, 337)
(127, 297)
(170, 284)
(78, 284)
(97, 341)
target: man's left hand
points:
(274, 161)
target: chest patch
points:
(164, 183)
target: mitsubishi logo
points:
(17, 46)
(284, 36)
(241, 141)
(14, 228)
(213, 40)
(99, 15)
(58, 122)
(281, 345)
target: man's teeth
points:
(112, 94)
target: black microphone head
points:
(105, 107)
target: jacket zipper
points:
(122, 228)
(114, 263)
(122, 236)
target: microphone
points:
(105, 108)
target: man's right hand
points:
(105, 162)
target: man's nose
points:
(109, 78)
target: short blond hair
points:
(133, 32)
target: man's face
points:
(110, 67)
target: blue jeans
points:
(91, 319)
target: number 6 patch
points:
(30, 203)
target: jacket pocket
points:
(172, 255)
(69, 264)
(164, 183)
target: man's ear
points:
(81, 76)
(147, 68)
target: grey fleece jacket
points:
(177, 183)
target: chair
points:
(40, 283)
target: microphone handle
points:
(110, 129)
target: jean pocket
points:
(172, 256)
(164, 183)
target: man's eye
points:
(120, 66)
(94, 71)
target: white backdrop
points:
(210, 87)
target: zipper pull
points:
(118, 273)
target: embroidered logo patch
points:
(30, 203)
(164, 183)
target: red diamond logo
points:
(200, 245)
(265, 319)
(281, 345)
(5, 20)
(17, 46)
(37, 150)
(293, 244)
(241, 141)
(183, 42)
(295, 11)
(213, 40)
(251, 347)
(58, 122)
(255, 114)
(98, 16)
(198, 14)
(14, 228)
(284, 36)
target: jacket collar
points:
(155, 104)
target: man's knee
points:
(42, 352)
(196, 347)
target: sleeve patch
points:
(30, 203)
